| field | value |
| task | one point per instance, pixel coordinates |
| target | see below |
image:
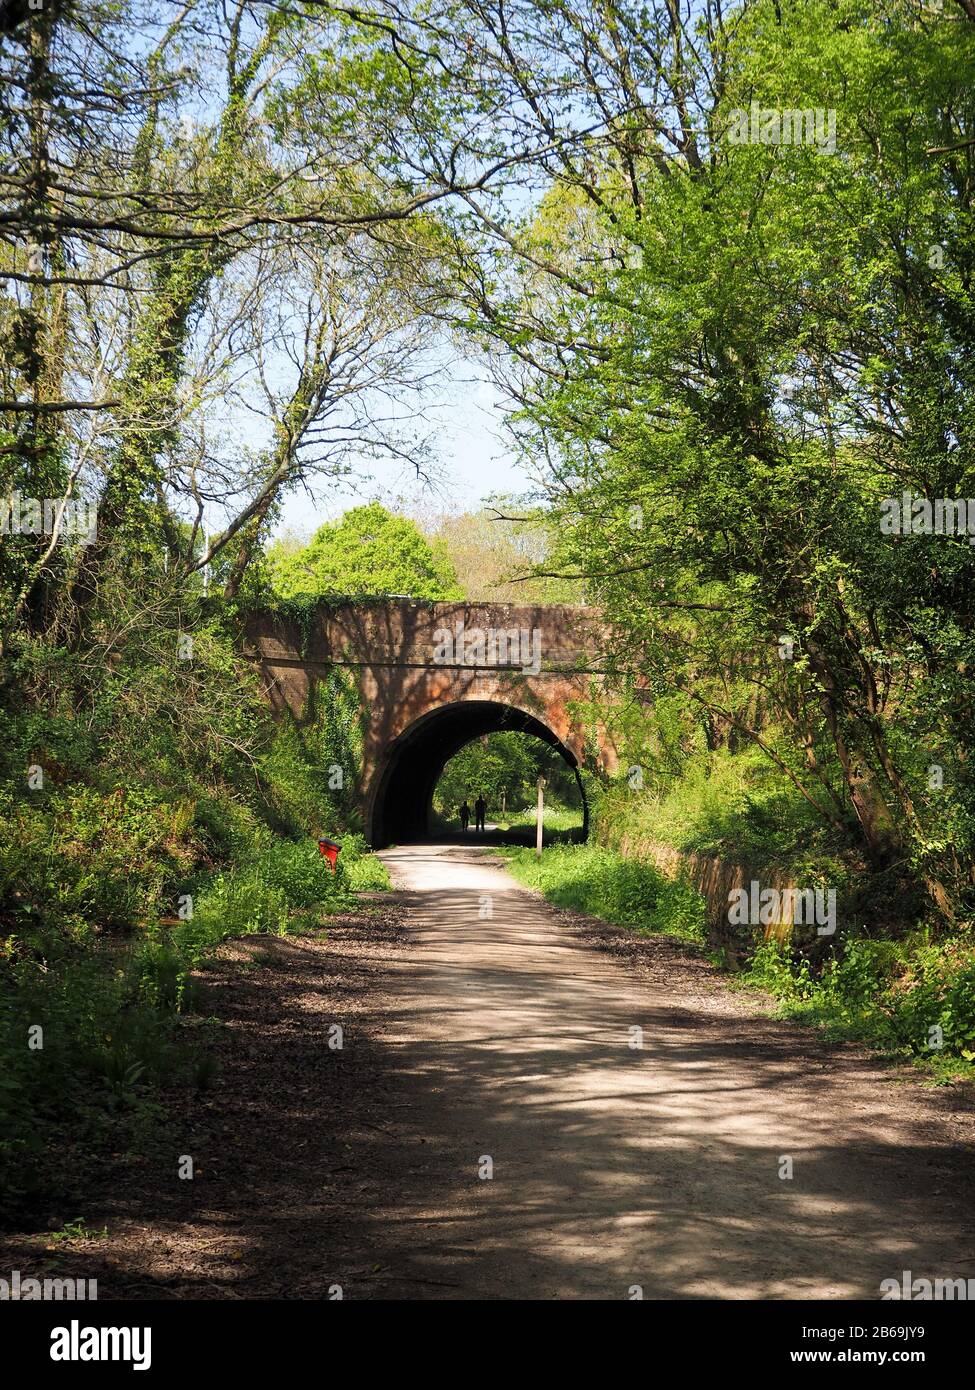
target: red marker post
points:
(329, 850)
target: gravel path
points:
(485, 1031)
(658, 1167)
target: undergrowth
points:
(150, 810)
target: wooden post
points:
(538, 817)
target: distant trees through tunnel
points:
(472, 749)
(503, 769)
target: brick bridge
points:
(431, 677)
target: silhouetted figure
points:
(480, 807)
(465, 817)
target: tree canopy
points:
(504, 768)
(368, 551)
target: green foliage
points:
(284, 885)
(736, 805)
(557, 821)
(601, 883)
(321, 760)
(493, 557)
(792, 345)
(76, 1229)
(101, 1049)
(84, 855)
(505, 768)
(367, 552)
(163, 782)
(740, 809)
(718, 419)
(912, 999)
(364, 873)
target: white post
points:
(538, 817)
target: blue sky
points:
(473, 460)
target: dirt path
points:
(616, 1167)
(480, 1022)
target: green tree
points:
(368, 552)
(768, 337)
(504, 767)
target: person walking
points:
(480, 808)
(465, 816)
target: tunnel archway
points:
(400, 807)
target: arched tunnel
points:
(400, 810)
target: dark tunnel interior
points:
(402, 803)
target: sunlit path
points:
(613, 1166)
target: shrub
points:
(101, 1048)
(163, 778)
(909, 999)
(598, 881)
